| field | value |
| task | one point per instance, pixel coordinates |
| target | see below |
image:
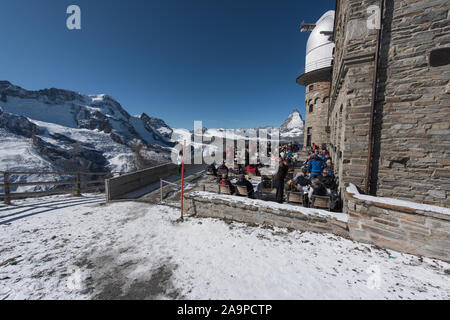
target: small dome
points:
(319, 49)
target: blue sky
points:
(231, 63)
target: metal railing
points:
(315, 65)
(175, 187)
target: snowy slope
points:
(17, 154)
(77, 248)
(96, 139)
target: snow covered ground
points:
(80, 248)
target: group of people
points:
(223, 171)
(316, 177)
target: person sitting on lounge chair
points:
(227, 182)
(252, 169)
(327, 180)
(242, 182)
(222, 168)
(302, 181)
(211, 169)
(317, 189)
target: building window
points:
(440, 57)
(308, 136)
(310, 108)
(311, 87)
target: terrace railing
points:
(80, 182)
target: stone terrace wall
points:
(205, 204)
(400, 228)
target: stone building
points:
(388, 115)
(317, 78)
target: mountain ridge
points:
(291, 130)
(63, 130)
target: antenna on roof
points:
(307, 27)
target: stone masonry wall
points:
(412, 132)
(411, 154)
(349, 109)
(399, 228)
(316, 104)
(260, 212)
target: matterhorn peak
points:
(293, 121)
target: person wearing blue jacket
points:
(315, 166)
(329, 166)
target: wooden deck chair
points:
(241, 191)
(289, 185)
(295, 197)
(267, 183)
(251, 174)
(266, 194)
(268, 190)
(224, 189)
(222, 171)
(322, 202)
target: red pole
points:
(182, 178)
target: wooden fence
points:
(78, 184)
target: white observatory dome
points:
(319, 49)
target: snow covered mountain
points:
(158, 125)
(61, 130)
(292, 129)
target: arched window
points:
(310, 108)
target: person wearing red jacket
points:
(252, 168)
(225, 181)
